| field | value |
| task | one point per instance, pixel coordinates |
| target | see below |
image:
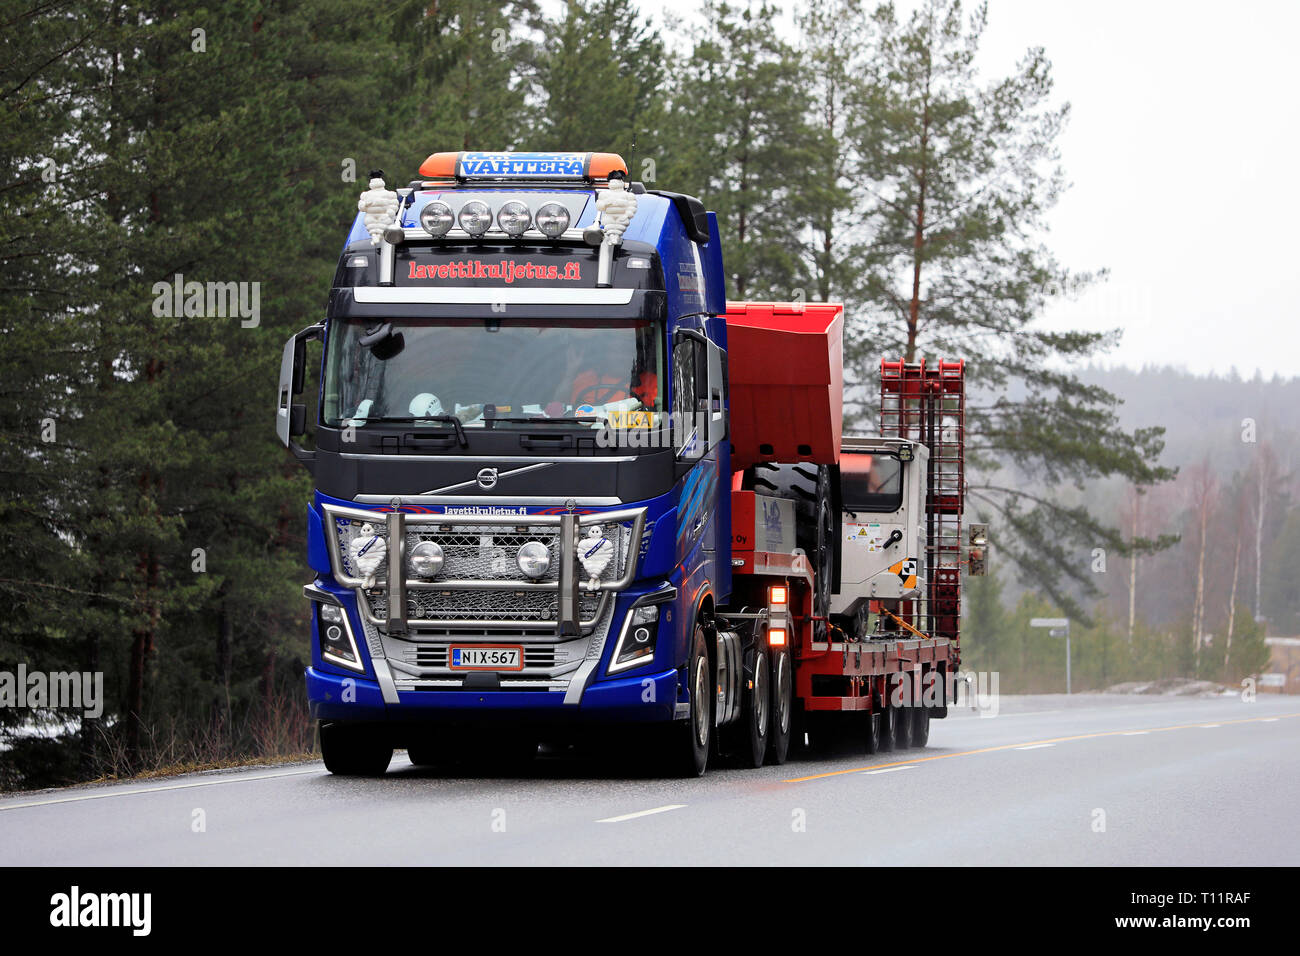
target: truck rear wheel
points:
(354, 751)
(782, 713)
(756, 720)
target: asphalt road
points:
(1103, 780)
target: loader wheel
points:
(686, 744)
(815, 523)
(920, 726)
(354, 751)
(782, 711)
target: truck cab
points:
(519, 440)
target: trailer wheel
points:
(890, 717)
(686, 743)
(920, 726)
(903, 728)
(756, 722)
(782, 711)
(815, 523)
(873, 733)
(354, 751)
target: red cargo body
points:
(785, 365)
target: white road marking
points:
(1135, 733)
(642, 813)
(1269, 720)
(890, 769)
(1035, 746)
(238, 778)
(1211, 725)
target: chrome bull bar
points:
(569, 586)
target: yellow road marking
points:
(1022, 744)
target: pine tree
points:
(738, 136)
(961, 175)
(599, 73)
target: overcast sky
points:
(1183, 150)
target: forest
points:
(151, 528)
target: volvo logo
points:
(487, 478)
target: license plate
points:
(487, 657)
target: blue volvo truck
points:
(523, 452)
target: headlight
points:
(514, 218)
(636, 645)
(552, 220)
(426, 559)
(475, 217)
(436, 218)
(534, 558)
(331, 613)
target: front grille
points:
(481, 604)
(480, 587)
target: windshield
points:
(519, 371)
(871, 482)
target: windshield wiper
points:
(451, 420)
(544, 420)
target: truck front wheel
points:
(687, 743)
(354, 751)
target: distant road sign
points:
(1049, 622)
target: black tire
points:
(756, 715)
(815, 523)
(873, 733)
(354, 751)
(920, 726)
(423, 755)
(782, 721)
(888, 728)
(903, 728)
(687, 743)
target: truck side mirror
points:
(290, 418)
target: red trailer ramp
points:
(785, 364)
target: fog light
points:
(426, 559)
(534, 559)
(475, 218)
(552, 220)
(514, 218)
(436, 218)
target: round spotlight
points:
(552, 220)
(514, 218)
(436, 218)
(475, 218)
(534, 558)
(426, 559)
(394, 235)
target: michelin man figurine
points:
(380, 206)
(616, 206)
(367, 551)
